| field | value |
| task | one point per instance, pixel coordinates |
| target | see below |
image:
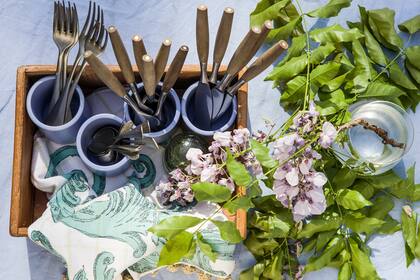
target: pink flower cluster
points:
(207, 167)
(296, 183)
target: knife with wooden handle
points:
(110, 80)
(259, 65)
(123, 61)
(139, 50)
(222, 41)
(241, 57)
(149, 77)
(171, 76)
(162, 59)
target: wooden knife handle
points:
(149, 77)
(262, 62)
(175, 68)
(265, 29)
(103, 73)
(139, 50)
(202, 34)
(121, 55)
(223, 35)
(162, 59)
(244, 52)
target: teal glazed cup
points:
(171, 110)
(37, 102)
(87, 130)
(225, 122)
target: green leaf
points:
(335, 246)
(414, 72)
(254, 272)
(325, 222)
(319, 54)
(381, 206)
(352, 200)
(385, 180)
(362, 224)
(335, 83)
(344, 178)
(382, 23)
(331, 9)
(172, 226)
(283, 32)
(258, 246)
(228, 231)
(417, 249)
(410, 26)
(363, 187)
(206, 247)
(413, 56)
(382, 89)
(323, 238)
(210, 192)
(238, 203)
(175, 248)
(409, 227)
(390, 226)
(271, 225)
(289, 69)
(336, 102)
(262, 153)
(374, 49)
(265, 10)
(345, 272)
(274, 269)
(237, 171)
(399, 78)
(319, 76)
(361, 263)
(335, 34)
(363, 72)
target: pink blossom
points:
(209, 173)
(328, 135)
(223, 138)
(240, 136)
(228, 182)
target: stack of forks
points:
(93, 37)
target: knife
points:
(124, 62)
(259, 65)
(203, 98)
(162, 59)
(170, 78)
(149, 77)
(222, 40)
(139, 50)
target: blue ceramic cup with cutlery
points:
(171, 113)
(190, 113)
(38, 98)
(85, 137)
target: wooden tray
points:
(28, 203)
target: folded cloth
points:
(98, 228)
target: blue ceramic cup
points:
(223, 123)
(37, 101)
(87, 130)
(171, 110)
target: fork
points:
(65, 34)
(87, 38)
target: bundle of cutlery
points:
(214, 97)
(93, 37)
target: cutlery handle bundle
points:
(162, 59)
(121, 54)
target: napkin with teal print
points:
(99, 238)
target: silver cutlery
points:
(65, 35)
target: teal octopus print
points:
(124, 215)
(146, 169)
(100, 267)
(39, 238)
